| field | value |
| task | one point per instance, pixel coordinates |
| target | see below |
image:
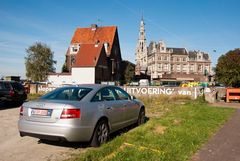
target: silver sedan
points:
(80, 113)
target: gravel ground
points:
(14, 147)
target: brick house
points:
(93, 56)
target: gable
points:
(95, 35)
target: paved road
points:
(16, 148)
(225, 144)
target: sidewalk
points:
(225, 144)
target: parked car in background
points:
(80, 113)
(11, 91)
(143, 82)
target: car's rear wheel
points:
(100, 134)
(141, 117)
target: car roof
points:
(93, 86)
(2, 81)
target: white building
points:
(141, 51)
(162, 62)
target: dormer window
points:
(74, 48)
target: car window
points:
(17, 86)
(97, 97)
(1, 86)
(4, 86)
(122, 95)
(105, 94)
(74, 94)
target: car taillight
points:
(21, 110)
(70, 113)
(11, 92)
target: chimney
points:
(93, 27)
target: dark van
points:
(11, 91)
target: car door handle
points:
(125, 105)
(109, 108)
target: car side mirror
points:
(133, 97)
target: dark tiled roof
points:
(192, 54)
(178, 51)
(206, 56)
(150, 47)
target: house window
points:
(178, 67)
(75, 48)
(178, 59)
(172, 67)
(165, 58)
(165, 67)
(192, 67)
(199, 68)
(160, 67)
(184, 67)
(184, 59)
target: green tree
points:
(39, 61)
(228, 68)
(128, 71)
(64, 68)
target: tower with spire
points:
(141, 51)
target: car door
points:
(131, 108)
(106, 100)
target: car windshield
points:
(68, 93)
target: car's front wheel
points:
(141, 117)
(100, 134)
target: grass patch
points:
(176, 129)
(33, 96)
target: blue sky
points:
(205, 25)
